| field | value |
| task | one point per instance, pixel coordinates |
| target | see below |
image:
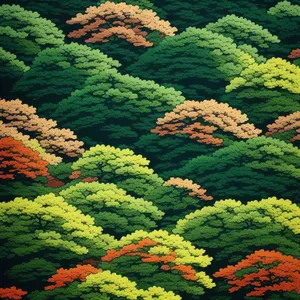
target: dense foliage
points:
(150, 149)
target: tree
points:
(19, 116)
(122, 20)
(57, 72)
(160, 259)
(57, 11)
(49, 223)
(182, 120)
(199, 14)
(286, 124)
(12, 293)
(195, 128)
(112, 208)
(285, 9)
(11, 69)
(165, 156)
(112, 165)
(63, 276)
(115, 109)
(95, 283)
(265, 91)
(17, 161)
(243, 31)
(295, 57)
(230, 230)
(25, 33)
(50, 229)
(123, 30)
(193, 188)
(36, 270)
(263, 272)
(294, 54)
(208, 59)
(260, 166)
(33, 144)
(131, 172)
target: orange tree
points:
(263, 273)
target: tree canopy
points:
(229, 230)
(260, 166)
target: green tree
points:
(260, 166)
(25, 33)
(131, 172)
(47, 228)
(57, 11)
(112, 208)
(112, 165)
(230, 230)
(265, 91)
(115, 109)
(11, 70)
(243, 31)
(57, 72)
(198, 14)
(198, 62)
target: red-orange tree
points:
(294, 54)
(12, 293)
(140, 250)
(263, 272)
(18, 160)
(65, 276)
(124, 21)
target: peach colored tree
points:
(129, 22)
(285, 124)
(23, 118)
(199, 120)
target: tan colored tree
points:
(23, 118)
(192, 117)
(125, 21)
(193, 188)
(286, 123)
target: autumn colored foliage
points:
(17, 159)
(294, 54)
(286, 123)
(12, 293)
(193, 188)
(13, 132)
(184, 120)
(187, 272)
(125, 21)
(23, 117)
(64, 276)
(269, 271)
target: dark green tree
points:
(57, 72)
(259, 167)
(198, 62)
(25, 33)
(57, 11)
(230, 230)
(115, 109)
